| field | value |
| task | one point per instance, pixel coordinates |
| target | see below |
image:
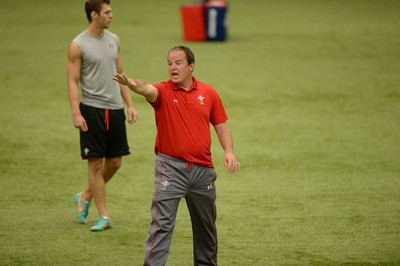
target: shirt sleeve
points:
(218, 114)
(159, 87)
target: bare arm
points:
(73, 76)
(132, 114)
(225, 139)
(138, 86)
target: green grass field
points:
(312, 91)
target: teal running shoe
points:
(83, 207)
(102, 224)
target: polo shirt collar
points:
(176, 87)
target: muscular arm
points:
(132, 114)
(225, 139)
(73, 76)
(138, 86)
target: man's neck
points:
(93, 30)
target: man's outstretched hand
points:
(123, 80)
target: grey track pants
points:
(175, 179)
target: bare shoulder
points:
(74, 50)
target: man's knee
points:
(95, 164)
(114, 163)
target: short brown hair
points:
(94, 5)
(189, 54)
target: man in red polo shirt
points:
(184, 108)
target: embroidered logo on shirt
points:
(175, 100)
(164, 185)
(201, 99)
(210, 187)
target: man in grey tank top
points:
(93, 58)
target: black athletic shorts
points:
(106, 135)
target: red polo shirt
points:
(183, 120)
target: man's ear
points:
(94, 15)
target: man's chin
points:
(175, 79)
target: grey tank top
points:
(98, 65)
